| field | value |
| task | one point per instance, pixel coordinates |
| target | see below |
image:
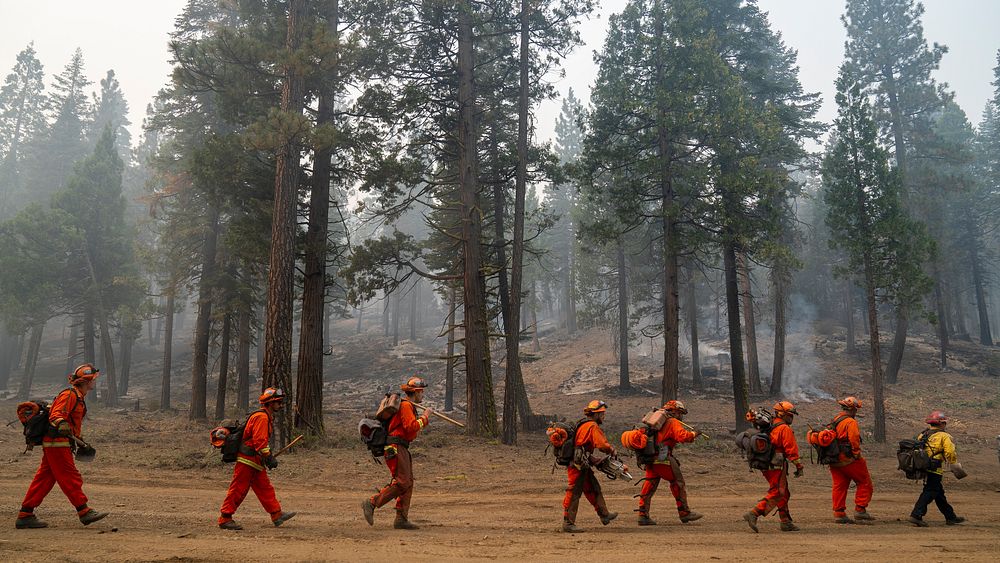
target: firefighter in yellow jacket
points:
(940, 448)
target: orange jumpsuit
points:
(783, 440)
(672, 433)
(57, 464)
(849, 468)
(249, 472)
(589, 437)
(403, 429)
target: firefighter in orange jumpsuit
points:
(65, 420)
(667, 467)
(403, 429)
(588, 437)
(850, 467)
(783, 442)
(253, 461)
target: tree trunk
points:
(749, 322)
(168, 342)
(536, 346)
(449, 370)
(309, 380)
(985, 335)
(24, 392)
(692, 299)
(202, 326)
(395, 317)
(780, 327)
(482, 418)
(741, 401)
(106, 345)
(385, 316)
(902, 311)
(74, 344)
(852, 347)
(277, 370)
(89, 353)
(942, 330)
(414, 295)
(243, 363)
(877, 375)
(158, 330)
(361, 312)
(220, 391)
(623, 376)
(127, 341)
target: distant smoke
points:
(801, 377)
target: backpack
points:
(562, 438)
(756, 447)
(642, 441)
(374, 435)
(229, 439)
(913, 459)
(824, 441)
(34, 416)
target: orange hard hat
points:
(270, 395)
(413, 385)
(936, 417)
(675, 406)
(84, 372)
(850, 403)
(784, 407)
(595, 406)
(218, 436)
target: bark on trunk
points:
(877, 375)
(902, 311)
(168, 342)
(985, 335)
(89, 351)
(243, 363)
(536, 346)
(852, 347)
(780, 328)
(749, 325)
(309, 379)
(449, 372)
(220, 391)
(277, 369)
(127, 342)
(24, 391)
(623, 376)
(395, 317)
(202, 325)
(482, 418)
(108, 359)
(692, 299)
(414, 295)
(942, 329)
(74, 344)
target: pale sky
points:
(130, 36)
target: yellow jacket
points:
(940, 446)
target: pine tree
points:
(22, 122)
(890, 57)
(110, 108)
(867, 221)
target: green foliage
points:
(864, 211)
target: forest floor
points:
(163, 483)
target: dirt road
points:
(475, 502)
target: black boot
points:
(402, 523)
(30, 522)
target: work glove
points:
(799, 471)
(270, 462)
(64, 429)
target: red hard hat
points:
(413, 385)
(270, 395)
(850, 403)
(595, 406)
(782, 407)
(218, 436)
(675, 406)
(83, 372)
(936, 417)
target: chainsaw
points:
(611, 466)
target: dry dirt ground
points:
(474, 500)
